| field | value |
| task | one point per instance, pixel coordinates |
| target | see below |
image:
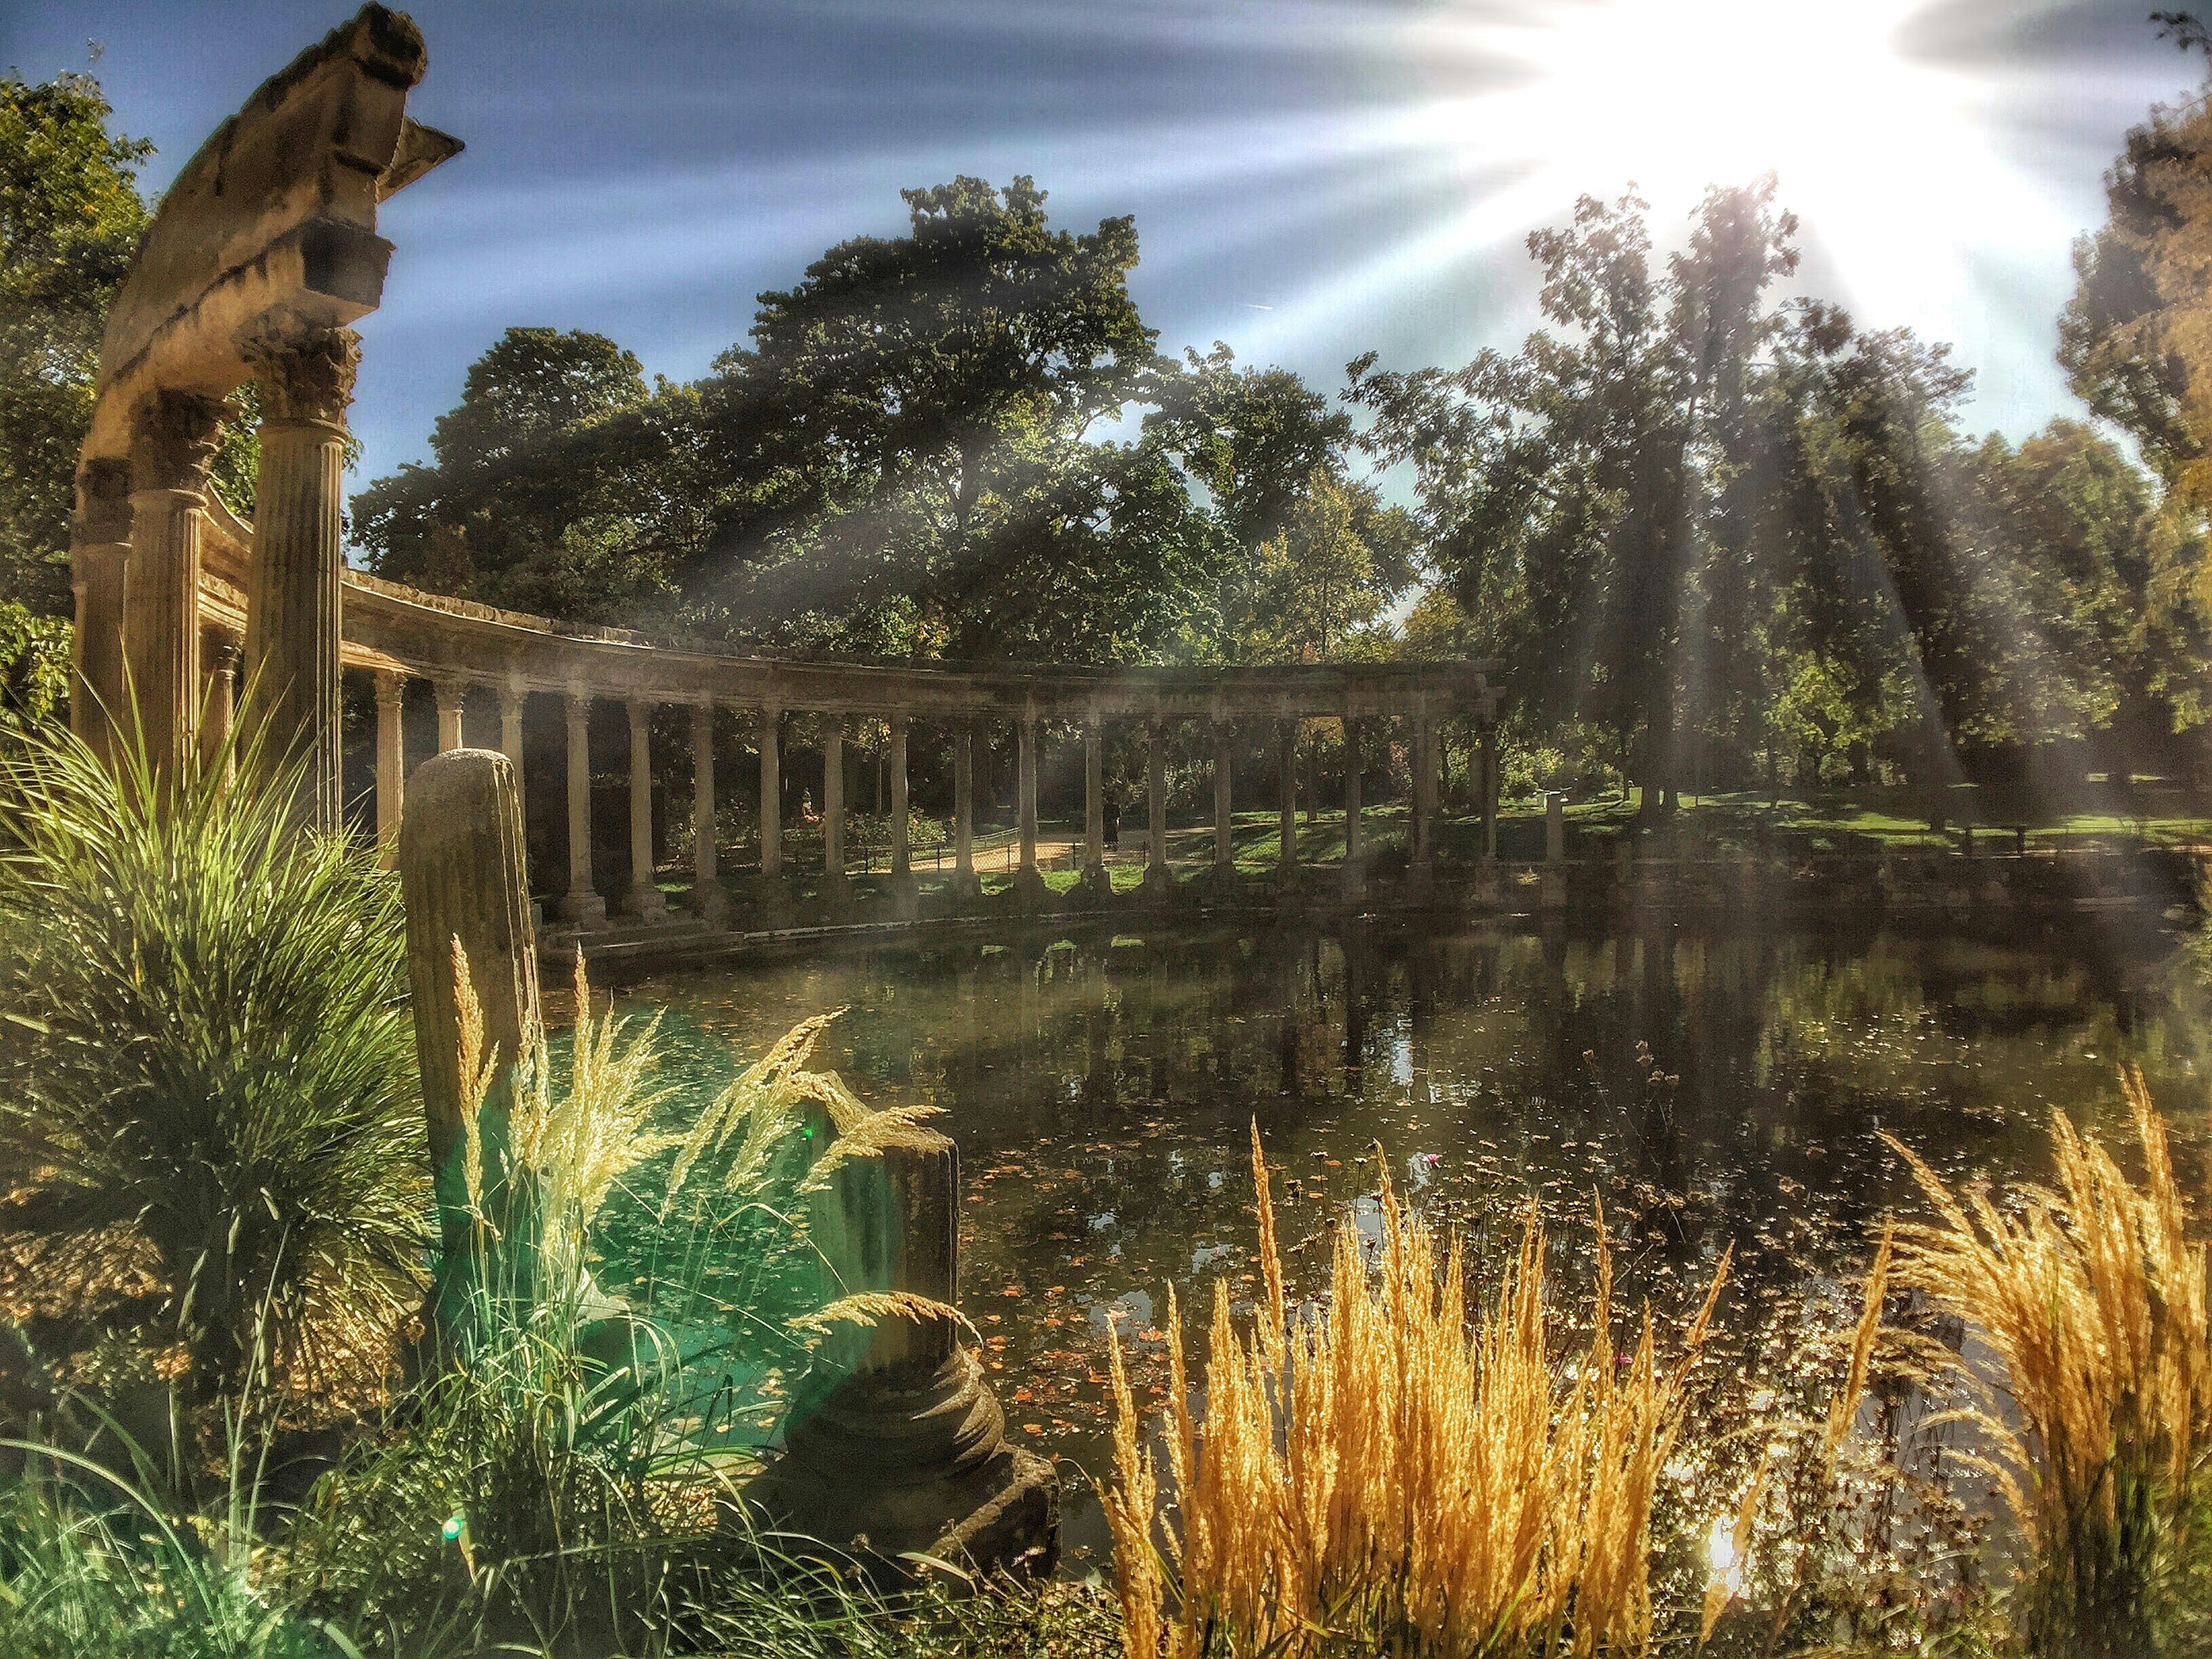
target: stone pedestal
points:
(895, 1445)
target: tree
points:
(70, 216)
(543, 475)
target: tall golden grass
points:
(1395, 1478)
(2093, 1301)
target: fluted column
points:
(1224, 848)
(452, 697)
(581, 904)
(964, 882)
(1094, 806)
(305, 372)
(707, 898)
(1352, 766)
(832, 806)
(391, 754)
(644, 898)
(100, 555)
(1157, 878)
(1425, 797)
(174, 441)
(222, 708)
(510, 743)
(1286, 781)
(1489, 786)
(1025, 788)
(771, 793)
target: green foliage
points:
(206, 1064)
(34, 668)
(70, 221)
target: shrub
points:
(207, 1074)
(2094, 1299)
(1393, 1479)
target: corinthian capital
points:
(175, 439)
(305, 368)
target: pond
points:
(1711, 1086)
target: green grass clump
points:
(207, 1070)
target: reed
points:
(1395, 1477)
(2092, 1300)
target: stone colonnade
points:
(1430, 692)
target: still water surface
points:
(1712, 1086)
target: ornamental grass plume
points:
(1394, 1478)
(2093, 1299)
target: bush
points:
(207, 1074)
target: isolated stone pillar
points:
(895, 1445)
(644, 899)
(1287, 762)
(1029, 881)
(1157, 881)
(452, 697)
(173, 443)
(1224, 846)
(461, 877)
(1555, 825)
(965, 883)
(305, 372)
(707, 899)
(391, 753)
(771, 793)
(100, 556)
(833, 808)
(581, 904)
(222, 710)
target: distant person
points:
(1113, 820)
(806, 806)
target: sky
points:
(1309, 182)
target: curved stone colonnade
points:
(264, 251)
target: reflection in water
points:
(1709, 1087)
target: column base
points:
(1288, 880)
(836, 891)
(902, 895)
(646, 903)
(583, 909)
(1551, 894)
(1224, 886)
(1351, 881)
(1420, 882)
(771, 902)
(1029, 892)
(1093, 890)
(966, 887)
(1158, 886)
(710, 904)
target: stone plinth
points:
(896, 1445)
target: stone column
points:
(1489, 786)
(1286, 762)
(305, 372)
(771, 792)
(581, 904)
(965, 883)
(1029, 881)
(1555, 825)
(100, 555)
(1424, 859)
(707, 899)
(510, 742)
(215, 749)
(1225, 846)
(1355, 850)
(452, 697)
(833, 808)
(1157, 881)
(902, 878)
(644, 900)
(1095, 888)
(391, 753)
(175, 442)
